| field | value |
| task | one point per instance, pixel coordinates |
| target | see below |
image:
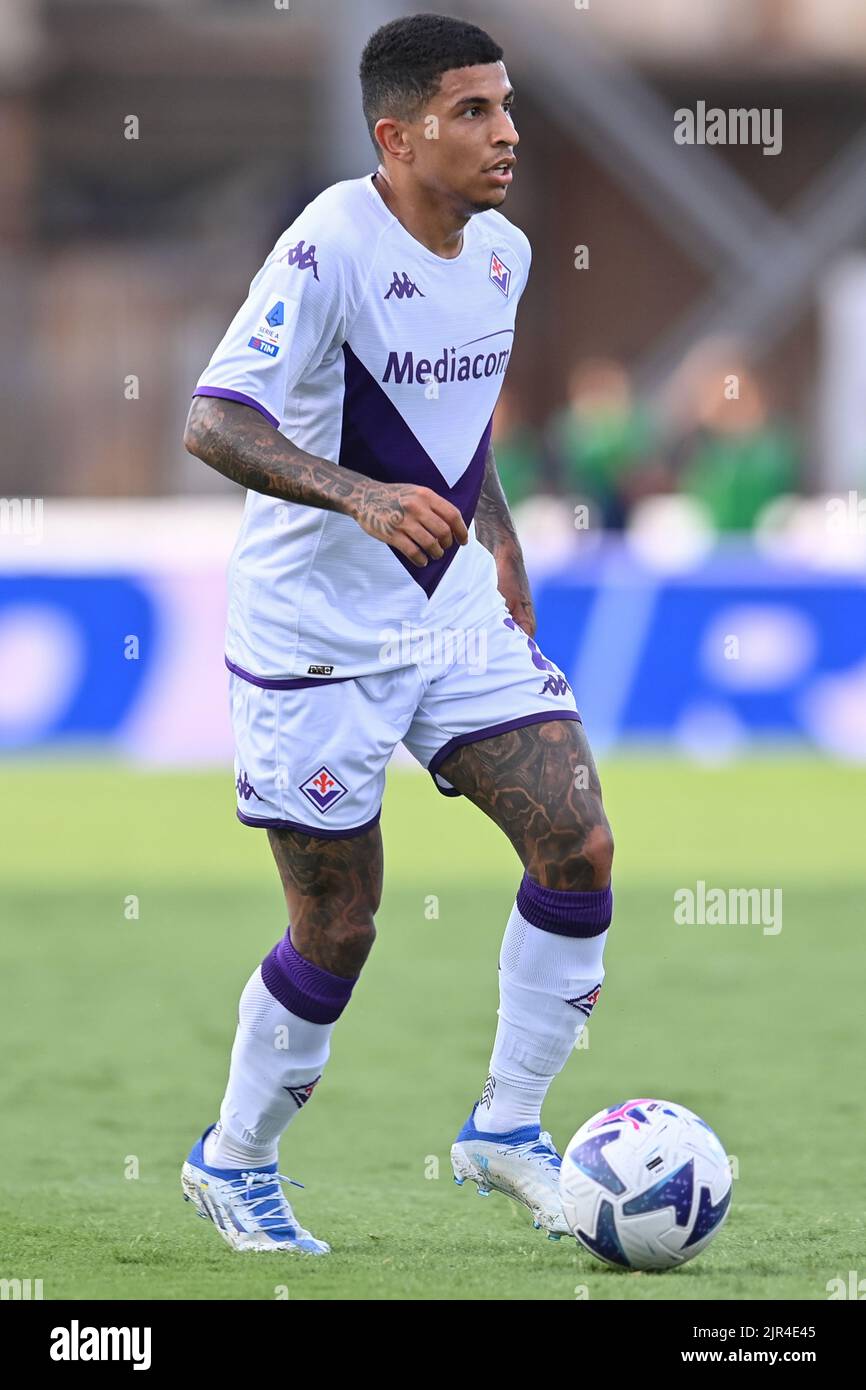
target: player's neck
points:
(436, 226)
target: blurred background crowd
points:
(605, 448)
(689, 368)
(153, 150)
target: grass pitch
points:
(135, 908)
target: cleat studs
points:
(484, 1192)
(553, 1235)
(459, 1181)
(537, 1225)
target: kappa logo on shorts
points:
(323, 789)
(586, 1002)
(555, 685)
(246, 788)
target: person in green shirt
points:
(602, 443)
(737, 458)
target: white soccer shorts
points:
(311, 753)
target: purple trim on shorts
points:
(543, 717)
(284, 682)
(267, 823)
(303, 988)
(222, 393)
(564, 913)
(446, 791)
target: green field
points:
(116, 1034)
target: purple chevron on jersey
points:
(377, 442)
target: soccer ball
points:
(645, 1184)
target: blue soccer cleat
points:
(248, 1207)
(522, 1163)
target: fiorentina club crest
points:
(323, 789)
(585, 1002)
(301, 1094)
(500, 274)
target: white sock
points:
(277, 1058)
(540, 972)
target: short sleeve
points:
(295, 310)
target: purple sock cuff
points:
(303, 988)
(566, 914)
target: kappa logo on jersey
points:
(303, 259)
(586, 1002)
(403, 289)
(246, 788)
(277, 315)
(269, 349)
(500, 274)
(301, 1094)
(323, 789)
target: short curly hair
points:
(402, 63)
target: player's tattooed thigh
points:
(540, 785)
(333, 889)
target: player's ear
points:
(392, 138)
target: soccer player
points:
(378, 594)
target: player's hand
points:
(513, 585)
(523, 613)
(414, 520)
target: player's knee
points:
(575, 856)
(344, 948)
(349, 944)
(598, 852)
(353, 937)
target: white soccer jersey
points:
(367, 349)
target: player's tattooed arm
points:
(495, 530)
(236, 441)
